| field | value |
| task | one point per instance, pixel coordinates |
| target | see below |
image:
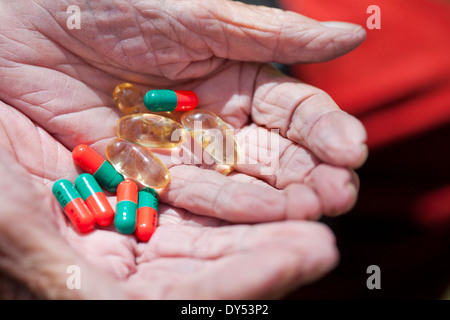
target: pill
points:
(93, 163)
(95, 199)
(138, 163)
(170, 100)
(73, 205)
(130, 99)
(127, 196)
(147, 213)
(151, 130)
(213, 134)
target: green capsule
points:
(86, 185)
(108, 177)
(73, 205)
(148, 197)
(91, 162)
(127, 197)
(170, 100)
(125, 218)
(65, 192)
(95, 199)
(147, 213)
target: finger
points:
(308, 116)
(148, 36)
(209, 193)
(241, 262)
(237, 31)
(282, 163)
(300, 112)
(169, 215)
(268, 156)
(336, 187)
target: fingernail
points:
(342, 25)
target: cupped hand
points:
(55, 88)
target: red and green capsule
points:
(170, 100)
(73, 205)
(127, 198)
(93, 163)
(147, 213)
(95, 199)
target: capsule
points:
(93, 163)
(151, 130)
(130, 99)
(137, 163)
(212, 133)
(127, 197)
(95, 199)
(170, 100)
(147, 213)
(73, 205)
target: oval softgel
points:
(151, 130)
(138, 163)
(213, 134)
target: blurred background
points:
(398, 84)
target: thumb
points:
(238, 31)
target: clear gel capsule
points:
(138, 163)
(151, 130)
(213, 134)
(130, 99)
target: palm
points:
(62, 97)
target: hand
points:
(56, 90)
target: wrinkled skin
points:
(246, 235)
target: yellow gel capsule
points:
(130, 99)
(213, 134)
(137, 163)
(151, 130)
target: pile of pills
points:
(148, 122)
